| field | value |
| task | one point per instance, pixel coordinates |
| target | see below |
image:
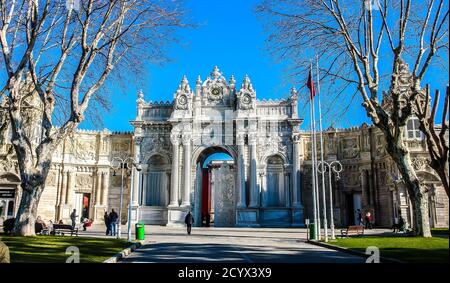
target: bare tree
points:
(365, 46)
(67, 50)
(436, 137)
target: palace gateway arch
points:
(260, 183)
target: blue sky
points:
(231, 37)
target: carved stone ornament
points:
(154, 142)
(352, 179)
(273, 144)
(420, 163)
(182, 102)
(51, 179)
(84, 181)
(8, 165)
(350, 148)
(85, 150)
(246, 96)
(246, 101)
(216, 93)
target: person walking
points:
(360, 218)
(113, 217)
(73, 218)
(369, 220)
(107, 223)
(189, 220)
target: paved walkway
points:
(233, 245)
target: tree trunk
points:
(27, 213)
(419, 203)
(417, 193)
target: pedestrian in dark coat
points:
(113, 222)
(107, 223)
(189, 220)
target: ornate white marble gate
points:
(262, 137)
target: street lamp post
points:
(138, 168)
(335, 167)
(123, 165)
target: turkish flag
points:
(310, 85)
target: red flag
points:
(310, 85)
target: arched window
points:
(275, 190)
(157, 182)
(412, 129)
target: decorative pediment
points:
(183, 96)
(246, 97)
(215, 88)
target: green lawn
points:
(52, 249)
(407, 249)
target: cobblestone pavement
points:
(233, 245)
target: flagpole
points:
(324, 208)
(316, 177)
(312, 162)
(314, 153)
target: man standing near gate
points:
(189, 220)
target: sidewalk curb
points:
(353, 252)
(123, 254)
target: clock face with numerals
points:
(216, 93)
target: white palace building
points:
(266, 182)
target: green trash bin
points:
(140, 231)
(312, 231)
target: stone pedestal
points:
(247, 218)
(176, 215)
(298, 219)
(99, 212)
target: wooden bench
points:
(352, 230)
(59, 229)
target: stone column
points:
(136, 189)
(175, 167)
(296, 195)
(62, 196)
(187, 169)
(287, 189)
(98, 188)
(105, 188)
(63, 188)
(144, 189)
(70, 188)
(136, 173)
(254, 194)
(242, 202)
(263, 185)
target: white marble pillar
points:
(296, 196)
(287, 189)
(136, 173)
(63, 188)
(187, 169)
(254, 194)
(144, 189)
(263, 184)
(98, 188)
(242, 202)
(175, 167)
(198, 196)
(70, 188)
(105, 188)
